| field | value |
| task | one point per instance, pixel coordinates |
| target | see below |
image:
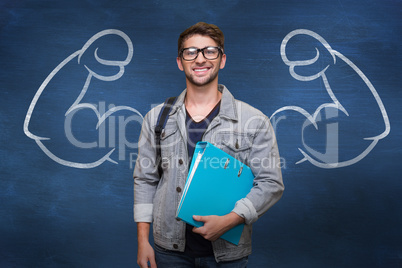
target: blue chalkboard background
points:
(56, 215)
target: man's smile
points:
(201, 70)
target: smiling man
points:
(201, 71)
(205, 111)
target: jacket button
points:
(181, 161)
(175, 246)
(237, 144)
(178, 189)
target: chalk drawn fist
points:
(317, 68)
(83, 67)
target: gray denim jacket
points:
(238, 129)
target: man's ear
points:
(223, 61)
(179, 64)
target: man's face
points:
(201, 71)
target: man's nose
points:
(200, 58)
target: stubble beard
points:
(204, 81)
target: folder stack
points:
(216, 181)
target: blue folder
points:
(216, 181)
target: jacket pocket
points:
(237, 144)
(169, 140)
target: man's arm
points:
(145, 251)
(265, 164)
(145, 183)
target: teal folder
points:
(216, 181)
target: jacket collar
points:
(227, 110)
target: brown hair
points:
(204, 29)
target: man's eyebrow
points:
(200, 48)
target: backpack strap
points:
(160, 125)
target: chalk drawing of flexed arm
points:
(335, 104)
(78, 104)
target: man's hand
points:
(145, 254)
(215, 226)
(145, 251)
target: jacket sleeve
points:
(268, 186)
(146, 177)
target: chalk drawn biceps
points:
(77, 105)
(312, 118)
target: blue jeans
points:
(174, 259)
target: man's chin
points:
(200, 82)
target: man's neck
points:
(201, 100)
(203, 95)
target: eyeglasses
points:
(191, 53)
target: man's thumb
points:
(198, 218)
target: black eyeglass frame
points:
(202, 51)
